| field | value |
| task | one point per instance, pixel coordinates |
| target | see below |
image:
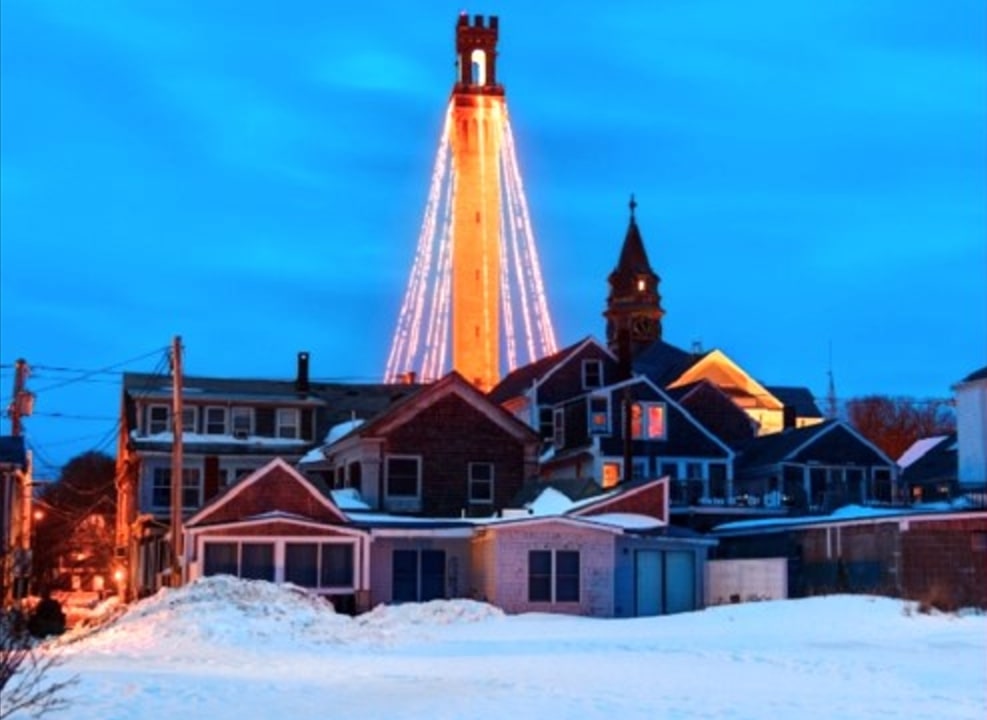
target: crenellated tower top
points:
(476, 55)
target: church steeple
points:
(634, 309)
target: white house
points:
(971, 429)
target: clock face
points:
(643, 328)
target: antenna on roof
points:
(831, 407)
(697, 347)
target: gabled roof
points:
(12, 452)
(777, 447)
(939, 462)
(451, 384)
(263, 492)
(799, 398)
(664, 362)
(520, 379)
(919, 448)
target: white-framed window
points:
(242, 421)
(558, 428)
(592, 374)
(553, 576)
(402, 476)
(599, 414)
(648, 421)
(481, 483)
(325, 565)
(216, 418)
(288, 425)
(190, 413)
(158, 419)
(161, 488)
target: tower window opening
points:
(478, 67)
(641, 285)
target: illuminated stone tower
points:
(475, 138)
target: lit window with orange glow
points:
(611, 474)
(648, 421)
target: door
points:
(648, 588)
(680, 576)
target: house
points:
(230, 428)
(971, 428)
(614, 555)
(936, 557)
(598, 432)
(444, 451)
(928, 469)
(815, 468)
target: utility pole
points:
(177, 461)
(22, 402)
(21, 405)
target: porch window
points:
(215, 421)
(648, 421)
(248, 560)
(220, 558)
(553, 576)
(418, 575)
(257, 561)
(403, 476)
(481, 479)
(319, 565)
(158, 419)
(287, 423)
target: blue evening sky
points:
(252, 176)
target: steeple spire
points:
(634, 309)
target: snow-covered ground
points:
(226, 649)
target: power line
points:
(98, 371)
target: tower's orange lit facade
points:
(476, 135)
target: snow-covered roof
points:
(348, 499)
(312, 456)
(627, 521)
(917, 449)
(341, 429)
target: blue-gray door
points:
(680, 581)
(647, 583)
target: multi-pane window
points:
(161, 488)
(189, 416)
(249, 560)
(481, 479)
(599, 415)
(403, 475)
(553, 576)
(592, 374)
(158, 418)
(215, 423)
(242, 421)
(288, 426)
(319, 565)
(648, 421)
(418, 575)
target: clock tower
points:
(634, 309)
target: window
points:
(611, 474)
(249, 560)
(639, 469)
(288, 426)
(403, 476)
(553, 576)
(158, 419)
(481, 477)
(648, 421)
(882, 485)
(694, 471)
(319, 565)
(671, 469)
(161, 488)
(599, 415)
(189, 416)
(718, 481)
(546, 423)
(215, 423)
(418, 575)
(592, 374)
(242, 420)
(558, 429)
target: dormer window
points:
(158, 418)
(242, 421)
(288, 426)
